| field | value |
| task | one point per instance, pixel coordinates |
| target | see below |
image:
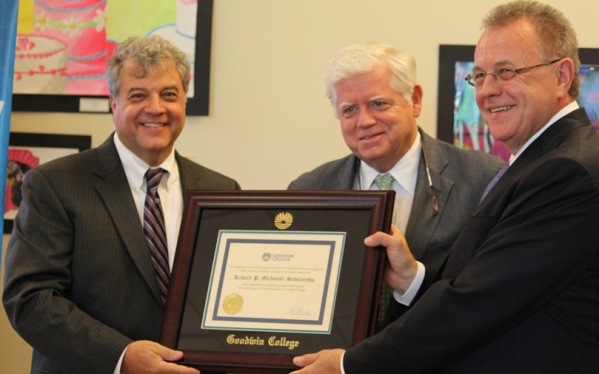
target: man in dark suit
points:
(520, 290)
(437, 185)
(80, 285)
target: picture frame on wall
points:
(62, 48)
(27, 151)
(458, 117)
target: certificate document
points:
(260, 277)
(274, 281)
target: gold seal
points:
(283, 220)
(233, 303)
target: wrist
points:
(402, 279)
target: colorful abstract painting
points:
(62, 46)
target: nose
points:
(365, 117)
(490, 86)
(154, 105)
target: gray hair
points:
(147, 52)
(556, 35)
(364, 58)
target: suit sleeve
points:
(514, 260)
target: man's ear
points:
(417, 100)
(565, 75)
(112, 102)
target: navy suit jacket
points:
(79, 284)
(520, 290)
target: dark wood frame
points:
(198, 105)
(21, 139)
(448, 56)
(358, 287)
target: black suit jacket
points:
(520, 290)
(79, 284)
(459, 177)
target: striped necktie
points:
(155, 231)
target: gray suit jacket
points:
(79, 284)
(459, 177)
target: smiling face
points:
(517, 108)
(149, 111)
(377, 123)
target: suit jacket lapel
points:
(189, 178)
(547, 141)
(114, 190)
(345, 179)
(422, 223)
(554, 135)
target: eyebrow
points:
(144, 89)
(171, 87)
(378, 98)
(370, 99)
(496, 65)
(344, 105)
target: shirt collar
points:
(404, 171)
(564, 111)
(135, 167)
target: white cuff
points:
(117, 370)
(407, 297)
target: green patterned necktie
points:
(384, 181)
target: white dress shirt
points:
(171, 198)
(405, 175)
(171, 194)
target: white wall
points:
(269, 118)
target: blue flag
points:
(8, 37)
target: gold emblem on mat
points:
(233, 303)
(283, 220)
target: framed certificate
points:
(262, 276)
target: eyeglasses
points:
(478, 79)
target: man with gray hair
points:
(88, 262)
(375, 95)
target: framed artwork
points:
(458, 119)
(27, 151)
(262, 276)
(62, 48)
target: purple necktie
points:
(494, 181)
(155, 231)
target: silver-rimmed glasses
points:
(503, 74)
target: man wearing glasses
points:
(520, 290)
